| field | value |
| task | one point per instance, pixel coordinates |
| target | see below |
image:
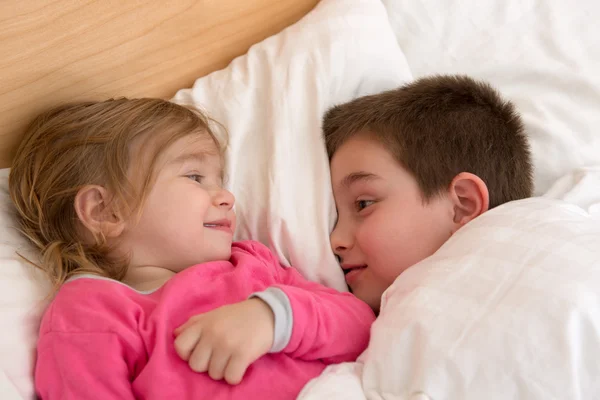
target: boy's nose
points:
(340, 241)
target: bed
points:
(267, 69)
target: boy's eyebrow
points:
(354, 177)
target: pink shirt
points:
(100, 339)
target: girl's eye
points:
(195, 177)
(362, 204)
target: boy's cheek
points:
(373, 238)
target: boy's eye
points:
(362, 204)
(195, 177)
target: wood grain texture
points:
(55, 51)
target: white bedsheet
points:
(509, 308)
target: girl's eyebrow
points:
(184, 157)
(360, 176)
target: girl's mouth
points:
(223, 225)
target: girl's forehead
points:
(203, 143)
(153, 155)
(164, 147)
(195, 150)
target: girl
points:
(124, 199)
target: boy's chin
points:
(372, 299)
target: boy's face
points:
(383, 226)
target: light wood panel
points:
(66, 50)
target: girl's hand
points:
(227, 340)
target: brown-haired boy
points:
(410, 166)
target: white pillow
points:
(508, 308)
(272, 99)
(580, 187)
(23, 297)
(542, 54)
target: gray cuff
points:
(284, 320)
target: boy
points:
(410, 166)
(508, 308)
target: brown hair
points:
(88, 143)
(438, 127)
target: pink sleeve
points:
(327, 324)
(82, 366)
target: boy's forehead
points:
(365, 160)
(359, 153)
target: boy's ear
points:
(470, 198)
(97, 213)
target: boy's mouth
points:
(352, 272)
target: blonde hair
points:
(88, 143)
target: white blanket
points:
(509, 308)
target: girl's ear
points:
(470, 198)
(97, 213)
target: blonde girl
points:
(125, 201)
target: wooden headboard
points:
(55, 51)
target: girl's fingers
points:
(217, 364)
(201, 356)
(187, 341)
(236, 368)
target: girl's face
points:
(187, 217)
